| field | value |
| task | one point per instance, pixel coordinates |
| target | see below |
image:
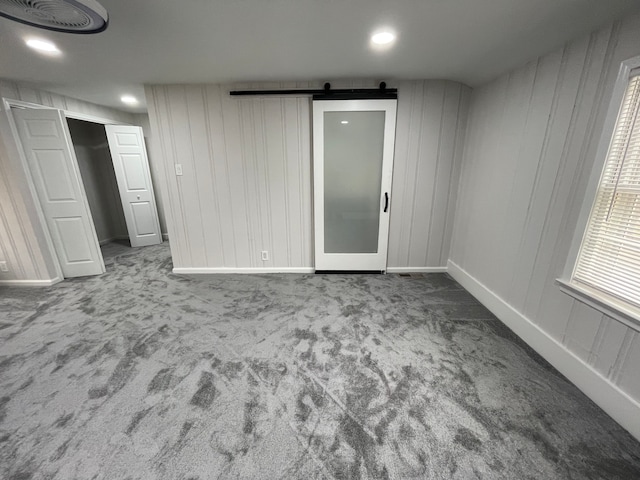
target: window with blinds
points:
(609, 258)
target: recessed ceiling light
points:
(129, 99)
(344, 122)
(383, 38)
(44, 46)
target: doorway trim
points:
(7, 103)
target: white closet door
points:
(131, 165)
(46, 142)
(353, 143)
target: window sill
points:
(625, 314)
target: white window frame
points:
(609, 305)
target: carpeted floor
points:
(141, 374)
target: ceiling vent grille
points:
(69, 16)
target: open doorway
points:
(87, 183)
(99, 179)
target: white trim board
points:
(616, 403)
(241, 270)
(29, 283)
(91, 118)
(600, 302)
(10, 102)
(416, 269)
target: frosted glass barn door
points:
(353, 142)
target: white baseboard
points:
(218, 270)
(30, 283)
(225, 270)
(416, 269)
(620, 406)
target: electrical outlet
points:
(178, 169)
(4, 267)
(265, 255)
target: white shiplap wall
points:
(429, 134)
(530, 147)
(247, 180)
(22, 243)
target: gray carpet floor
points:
(142, 374)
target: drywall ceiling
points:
(192, 41)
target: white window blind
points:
(609, 258)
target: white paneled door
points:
(353, 144)
(131, 165)
(54, 169)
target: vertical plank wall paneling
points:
(429, 134)
(530, 147)
(21, 237)
(246, 183)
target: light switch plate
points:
(4, 267)
(178, 169)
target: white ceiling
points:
(192, 41)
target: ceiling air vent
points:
(69, 16)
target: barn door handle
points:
(386, 201)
